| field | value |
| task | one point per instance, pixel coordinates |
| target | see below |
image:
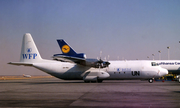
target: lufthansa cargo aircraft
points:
(173, 66)
(114, 70)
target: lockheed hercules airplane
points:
(113, 70)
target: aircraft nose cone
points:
(163, 72)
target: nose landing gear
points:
(150, 80)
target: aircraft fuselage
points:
(173, 66)
(117, 70)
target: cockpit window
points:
(154, 64)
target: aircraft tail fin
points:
(65, 48)
(29, 52)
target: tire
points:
(150, 80)
(93, 81)
(86, 81)
(179, 80)
(99, 81)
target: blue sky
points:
(130, 29)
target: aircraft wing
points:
(82, 61)
(66, 58)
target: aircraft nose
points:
(163, 72)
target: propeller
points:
(102, 64)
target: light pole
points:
(153, 56)
(168, 53)
(148, 57)
(159, 55)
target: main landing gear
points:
(98, 81)
(178, 80)
(150, 80)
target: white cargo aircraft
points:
(173, 66)
(116, 70)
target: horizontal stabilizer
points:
(20, 63)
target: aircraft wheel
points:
(86, 81)
(179, 80)
(93, 81)
(150, 80)
(99, 81)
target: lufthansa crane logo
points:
(65, 49)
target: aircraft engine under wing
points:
(82, 61)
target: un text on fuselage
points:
(135, 73)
